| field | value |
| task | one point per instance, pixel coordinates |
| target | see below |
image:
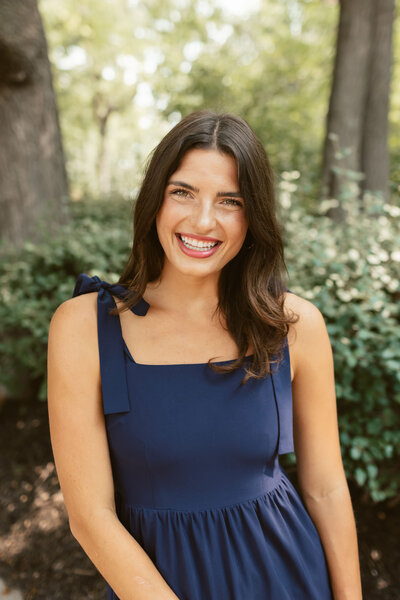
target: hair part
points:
(251, 286)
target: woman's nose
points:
(203, 214)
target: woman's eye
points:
(233, 202)
(181, 193)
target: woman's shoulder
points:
(72, 348)
(307, 311)
(308, 334)
(74, 324)
(76, 310)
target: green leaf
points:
(360, 476)
(372, 471)
(355, 453)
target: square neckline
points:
(201, 364)
(141, 308)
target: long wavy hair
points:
(251, 286)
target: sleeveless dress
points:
(198, 484)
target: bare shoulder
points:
(75, 311)
(75, 314)
(73, 332)
(309, 313)
(308, 336)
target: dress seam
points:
(213, 508)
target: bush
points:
(350, 272)
(36, 280)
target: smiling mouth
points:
(195, 244)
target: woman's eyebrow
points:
(185, 185)
(230, 194)
(194, 189)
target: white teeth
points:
(197, 244)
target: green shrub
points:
(36, 280)
(351, 272)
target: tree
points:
(33, 181)
(357, 120)
(186, 56)
(97, 69)
(267, 70)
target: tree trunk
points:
(357, 122)
(103, 173)
(375, 152)
(345, 118)
(33, 180)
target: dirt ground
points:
(39, 556)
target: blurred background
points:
(87, 89)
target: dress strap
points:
(111, 350)
(282, 387)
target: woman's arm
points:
(321, 474)
(81, 454)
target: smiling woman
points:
(210, 179)
(168, 459)
(198, 219)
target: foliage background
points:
(157, 63)
(121, 87)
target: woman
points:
(169, 459)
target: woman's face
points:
(202, 204)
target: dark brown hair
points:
(251, 286)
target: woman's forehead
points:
(207, 162)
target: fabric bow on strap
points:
(111, 349)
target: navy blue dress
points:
(195, 460)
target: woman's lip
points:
(197, 253)
(198, 237)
